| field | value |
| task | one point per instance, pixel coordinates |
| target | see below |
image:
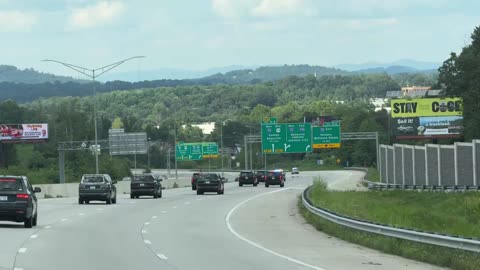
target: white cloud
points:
(98, 14)
(276, 8)
(369, 23)
(16, 21)
(233, 8)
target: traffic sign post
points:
(286, 138)
(327, 136)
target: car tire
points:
(266, 185)
(35, 219)
(131, 196)
(199, 192)
(255, 184)
(108, 200)
(80, 201)
(114, 200)
(240, 184)
(194, 187)
(160, 196)
(28, 223)
(282, 184)
(155, 195)
(87, 201)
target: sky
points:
(201, 34)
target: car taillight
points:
(22, 196)
(193, 179)
(281, 177)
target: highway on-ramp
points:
(247, 228)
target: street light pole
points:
(93, 76)
(221, 145)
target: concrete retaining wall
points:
(123, 187)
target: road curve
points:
(247, 228)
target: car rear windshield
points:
(275, 173)
(11, 184)
(261, 172)
(144, 178)
(210, 176)
(246, 173)
(93, 179)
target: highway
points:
(247, 228)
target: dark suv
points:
(97, 187)
(210, 182)
(146, 184)
(18, 202)
(275, 178)
(195, 176)
(261, 176)
(247, 177)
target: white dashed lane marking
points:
(163, 212)
(147, 242)
(147, 223)
(187, 202)
(33, 236)
(144, 231)
(65, 219)
(48, 227)
(22, 250)
(154, 217)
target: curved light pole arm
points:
(114, 65)
(74, 67)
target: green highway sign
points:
(299, 138)
(286, 138)
(209, 150)
(327, 136)
(189, 151)
(273, 138)
(269, 120)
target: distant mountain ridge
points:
(399, 66)
(30, 76)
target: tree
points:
(460, 75)
(117, 123)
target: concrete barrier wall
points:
(123, 187)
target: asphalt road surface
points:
(247, 228)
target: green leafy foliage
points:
(460, 75)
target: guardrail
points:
(469, 244)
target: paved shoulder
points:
(273, 222)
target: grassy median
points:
(454, 213)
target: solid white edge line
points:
(16, 268)
(162, 256)
(22, 250)
(230, 228)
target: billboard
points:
(426, 107)
(427, 127)
(318, 121)
(23, 132)
(120, 143)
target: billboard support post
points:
(61, 164)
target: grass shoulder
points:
(449, 213)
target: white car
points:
(295, 170)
